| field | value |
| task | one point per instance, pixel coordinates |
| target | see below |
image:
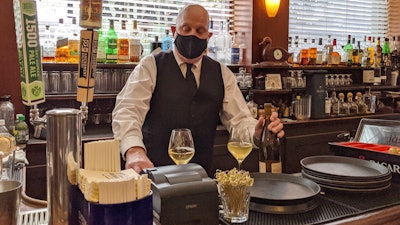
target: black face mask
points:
(190, 46)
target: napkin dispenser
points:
(184, 194)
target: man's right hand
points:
(137, 159)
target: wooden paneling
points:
(276, 28)
(9, 68)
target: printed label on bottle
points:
(328, 106)
(276, 167)
(262, 167)
(235, 55)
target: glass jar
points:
(7, 112)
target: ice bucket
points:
(10, 199)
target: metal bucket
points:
(10, 199)
(64, 135)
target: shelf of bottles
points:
(348, 91)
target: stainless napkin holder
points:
(184, 194)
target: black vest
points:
(173, 106)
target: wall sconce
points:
(272, 7)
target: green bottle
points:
(21, 132)
(348, 49)
(101, 47)
(111, 44)
(386, 50)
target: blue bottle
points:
(167, 42)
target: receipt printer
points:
(184, 195)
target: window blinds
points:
(394, 18)
(154, 15)
(320, 18)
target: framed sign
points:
(273, 82)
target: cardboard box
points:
(29, 55)
(373, 139)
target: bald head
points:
(193, 15)
(192, 10)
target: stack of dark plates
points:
(346, 174)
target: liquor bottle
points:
(101, 47)
(167, 42)
(377, 70)
(111, 44)
(370, 100)
(395, 62)
(335, 57)
(320, 53)
(220, 39)
(135, 48)
(365, 60)
(48, 47)
(378, 50)
(243, 49)
(73, 43)
(353, 107)
(362, 107)
(371, 50)
(296, 51)
(328, 104)
(304, 52)
(328, 51)
(334, 104)
(270, 155)
(235, 50)
(21, 131)
(156, 44)
(62, 50)
(212, 42)
(312, 53)
(228, 40)
(348, 51)
(386, 63)
(357, 54)
(343, 106)
(7, 112)
(252, 105)
(146, 43)
(123, 44)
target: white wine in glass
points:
(181, 146)
(239, 144)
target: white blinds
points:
(394, 18)
(153, 15)
(320, 18)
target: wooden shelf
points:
(73, 96)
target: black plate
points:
(282, 189)
(343, 184)
(285, 209)
(344, 167)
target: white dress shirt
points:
(133, 102)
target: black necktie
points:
(191, 80)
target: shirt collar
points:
(180, 61)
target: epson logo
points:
(190, 206)
(394, 168)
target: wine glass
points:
(239, 144)
(181, 146)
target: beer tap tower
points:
(64, 126)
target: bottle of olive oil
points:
(270, 155)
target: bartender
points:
(159, 97)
